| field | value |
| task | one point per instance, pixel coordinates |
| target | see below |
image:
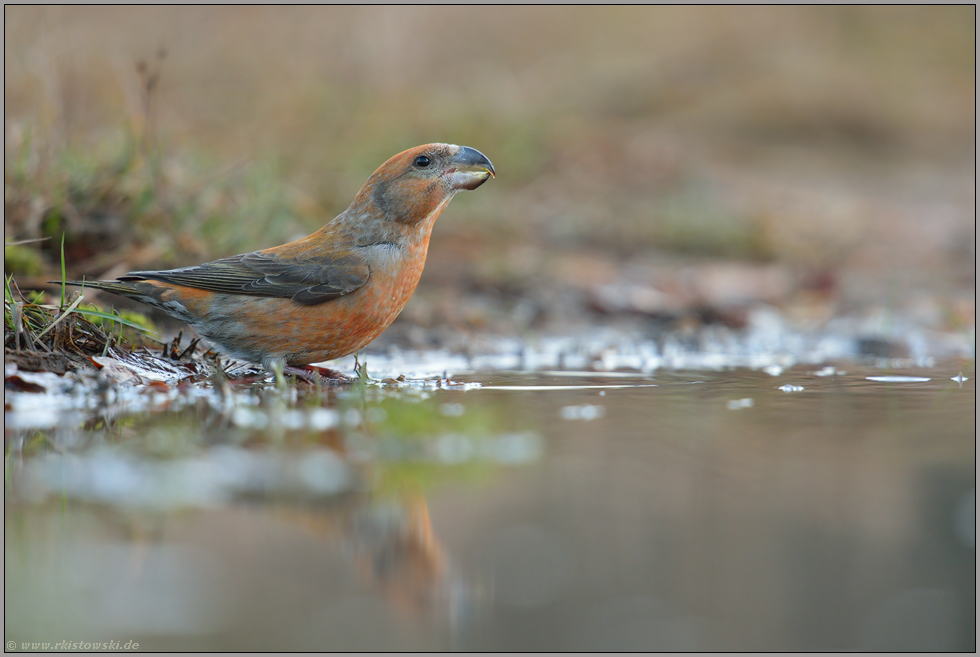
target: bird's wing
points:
(266, 275)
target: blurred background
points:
(678, 175)
(666, 165)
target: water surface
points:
(808, 508)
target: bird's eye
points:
(422, 161)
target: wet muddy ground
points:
(567, 495)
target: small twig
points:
(17, 287)
(189, 348)
(39, 342)
(30, 241)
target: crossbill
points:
(330, 293)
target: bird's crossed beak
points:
(472, 168)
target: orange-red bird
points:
(328, 294)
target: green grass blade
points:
(63, 315)
(113, 318)
(64, 277)
(8, 301)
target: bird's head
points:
(416, 184)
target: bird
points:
(329, 294)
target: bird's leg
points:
(360, 369)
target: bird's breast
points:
(395, 272)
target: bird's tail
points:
(145, 291)
(139, 290)
(119, 287)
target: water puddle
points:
(899, 379)
(532, 388)
(466, 507)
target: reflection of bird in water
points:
(396, 550)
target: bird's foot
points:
(314, 374)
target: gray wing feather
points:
(265, 275)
